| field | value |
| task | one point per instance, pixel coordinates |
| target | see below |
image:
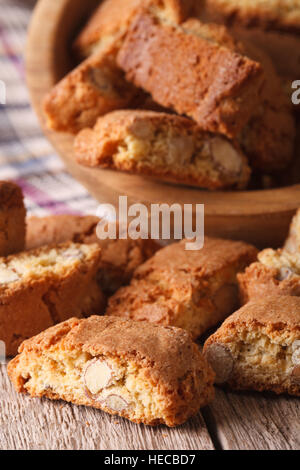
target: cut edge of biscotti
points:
(68, 362)
(275, 272)
(168, 147)
(223, 107)
(54, 261)
(94, 88)
(258, 347)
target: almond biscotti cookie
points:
(235, 99)
(165, 146)
(258, 347)
(96, 87)
(42, 287)
(111, 20)
(145, 373)
(292, 243)
(276, 272)
(193, 290)
(119, 258)
(273, 14)
(216, 86)
(12, 219)
(268, 139)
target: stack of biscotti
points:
(193, 290)
(276, 272)
(205, 117)
(58, 270)
(258, 347)
(273, 26)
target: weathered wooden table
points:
(233, 421)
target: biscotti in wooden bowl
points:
(266, 141)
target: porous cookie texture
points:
(42, 287)
(109, 24)
(277, 272)
(96, 87)
(220, 100)
(292, 243)
(165, 146)
(193, 290)
(119, 258)
(258, 347)
(12, 219)
(271, 14)
(145, 373)
(239, 103)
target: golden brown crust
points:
(96, 87)
(171, 361)
(272, 14)
(169, 147)
(216, 102)
(260, 338)
(12, 219)
(194, 290)
(119, 258)
(260, 281)
(111, 20)
(32, 300)
(276, 313)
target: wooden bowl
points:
(260, 217)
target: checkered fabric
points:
(26, 157)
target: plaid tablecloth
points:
(26, 157)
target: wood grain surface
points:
(259, 217)
(232, 422)
(30, 424)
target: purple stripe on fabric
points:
(40, 198)
(9, 52)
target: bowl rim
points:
(244, 203)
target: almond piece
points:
(296, 357)
(295, 376)
(296, 345)
(73, 253)
(7, 276)
(221, 360)
(100, 79)
(284, 273)
(115, 403)
(226, 156)
(97, 376)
